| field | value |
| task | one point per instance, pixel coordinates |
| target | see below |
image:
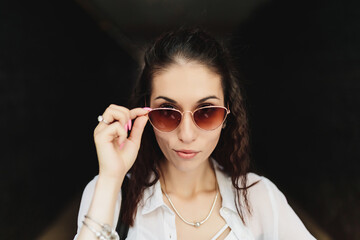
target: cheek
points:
(213, 138)
(163, 140)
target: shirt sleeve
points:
(86, 201)
(287, 225)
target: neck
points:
(187, 184)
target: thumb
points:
(138, 129)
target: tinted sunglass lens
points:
(209, 118)
(165, 120)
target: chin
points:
(186, 165)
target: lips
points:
(186, 154)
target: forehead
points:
(186, 82)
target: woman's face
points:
(187, 86)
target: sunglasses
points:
(206, 118)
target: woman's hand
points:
(115, 149)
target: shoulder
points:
(256, 182)
(253, 178)
(272, 216)
(262, 189)
(265, 199)
(268, 204)
(263, 216)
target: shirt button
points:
(170, 236)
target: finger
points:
(110, 133)
(138, 129)
(102, 125)
(116, 113)
(118, 107)
(136, 112)
(122, 114)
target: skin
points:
(190, 183)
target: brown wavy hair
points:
(232, 151)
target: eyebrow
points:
(199, 101)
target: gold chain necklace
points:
(195, 224)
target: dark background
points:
(62, 63)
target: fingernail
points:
(128, 125)
(147, 108)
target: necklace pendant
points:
(197, 224)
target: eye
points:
(205, 105)
(167, 105)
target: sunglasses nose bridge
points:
(191, 113)
(191, 116)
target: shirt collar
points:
(228, 195)
(152, 198)
(225, 187)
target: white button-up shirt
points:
(272, 218)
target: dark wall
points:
(302, 67)
(58, 72)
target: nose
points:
(187, 131)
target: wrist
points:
(106, 194)
(109, 183)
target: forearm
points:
(102, 206)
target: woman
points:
(189, 169)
